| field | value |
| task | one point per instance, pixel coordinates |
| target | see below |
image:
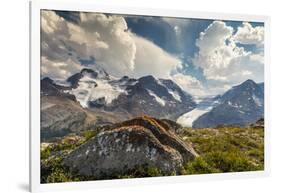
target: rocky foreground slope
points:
(143, 142)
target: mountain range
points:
(132, 97)
(110, 100)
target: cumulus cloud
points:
(116, 50)
(97, 35)
(247, 34)
(222, 60)
(106, 39)
(56, 62)
(190, 84)
(58, 70)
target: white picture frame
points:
(36, 6)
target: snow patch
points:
(205, 105)
(62, 82)
(157, 98)
(175, 95)
(187, 119)
(234, 105)
(257, 100)
(90, 89)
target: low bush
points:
(45, 153)
(198, 166)
(88, 134)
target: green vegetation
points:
(153, 172)
(198, 166)
(88, 134)
(52, 169)
(143, 171)
(45, 153)
(226, 149)
(67, 144)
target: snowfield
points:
(187, 119)
(91, 89)
(257, 100)
(205, 105)
(175, 95)
(157, 98)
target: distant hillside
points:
(61, 115)
(241, 105)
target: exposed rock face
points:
(141, 142)
(154, 97)
(50, 88)
(258, 124)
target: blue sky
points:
(202, 56)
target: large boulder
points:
(120, 150)
(164, 133)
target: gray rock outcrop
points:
(141, 142)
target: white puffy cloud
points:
(222, 60)
(190, 84)
(55, 59)
(247, 34)
(116, 48)
(58, 70)
(99, 36)
(104, 38)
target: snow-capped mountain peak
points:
(242, 104)
(96, 89)
(92, 86)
